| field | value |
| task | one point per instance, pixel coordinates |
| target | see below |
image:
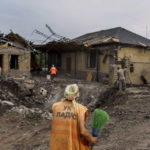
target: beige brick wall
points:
(140, 58)
(104, 66)
(24, 59)
(81, 62)
(5, 62)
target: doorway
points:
(14, 62)
(68, 64)
(1, 61)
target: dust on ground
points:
(127, 129)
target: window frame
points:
(16, 62)
(91, 60)
(131, 68)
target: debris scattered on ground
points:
(43, 91)
(32, 113)
(25, 113)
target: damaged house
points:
(14, 55)
(120, 47)
(96, 56)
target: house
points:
(98, 54)
(14, 55)
(62, 54)
(119, 46)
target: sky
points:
(73, 18)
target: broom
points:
(100, 117)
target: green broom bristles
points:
(100, 117)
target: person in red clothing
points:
(53, 72)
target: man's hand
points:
(93, 140)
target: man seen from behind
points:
(68, 130)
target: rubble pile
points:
(28, 103)
(35, 97)
(21, 97)
(18, 93)
(32, 113)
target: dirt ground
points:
(127, 129)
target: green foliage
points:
(100, 117)
(37, 59)
(44, 60)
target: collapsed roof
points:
(13, 39)
(114, 35)
(60, 46)
(16, 37)
(85, 42)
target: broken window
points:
(14, 62)
(91, 60)
(131, 68)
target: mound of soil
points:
(127, 129)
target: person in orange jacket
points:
(53, 72)
(68, 131)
